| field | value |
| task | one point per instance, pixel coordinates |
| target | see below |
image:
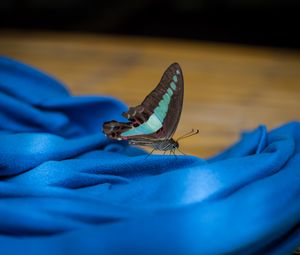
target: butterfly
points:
(154, 121)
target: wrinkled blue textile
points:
(66, 189)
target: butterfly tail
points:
(114, 129)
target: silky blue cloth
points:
(66, 189)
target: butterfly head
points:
(175, 145)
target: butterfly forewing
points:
(170, 88)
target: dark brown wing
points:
(141, 113)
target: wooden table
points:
(228, 88)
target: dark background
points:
(257, 22)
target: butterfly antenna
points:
(191, 133)
(149, 154)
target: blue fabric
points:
(66, 189)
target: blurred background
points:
(240, 59)
(256, 22)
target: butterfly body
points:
(164, 145)
(154, 121)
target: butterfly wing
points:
(158, 115)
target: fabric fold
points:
(66, 189)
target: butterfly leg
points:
(181, 151)
(149, 154)
(173, 151)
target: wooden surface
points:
(228, 88)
